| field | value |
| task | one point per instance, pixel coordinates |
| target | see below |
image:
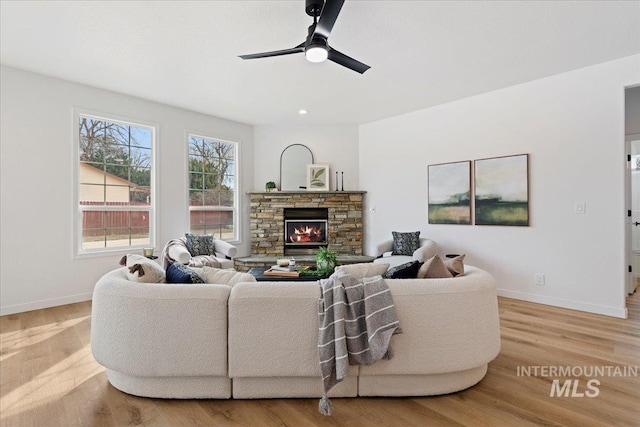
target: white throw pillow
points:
(141, 269)
(365, 269)
(179, 253)
(218, 276)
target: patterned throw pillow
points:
(180, 273)
(408, 270)
(199, 244)
(405, 243)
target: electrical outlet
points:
(540, 279)
(581, 207)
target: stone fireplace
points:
(331, 218)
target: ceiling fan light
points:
(316, 53)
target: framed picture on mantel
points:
(317, 177)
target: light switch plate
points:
(581, 207)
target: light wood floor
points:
(49, 378)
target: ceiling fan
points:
(315, 47)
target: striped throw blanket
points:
(356, 320)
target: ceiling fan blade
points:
(327, 18)
(297, 49)
(347, 61)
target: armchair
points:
(427, 249)
(176, 250)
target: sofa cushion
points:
(199, 244)
(394, 260)
(405, 243)
(180, 273)
(407, 270)
(142, 269)
(455, 265)
(365, 269)
(218, 276)
(434, 268)
(200, 261)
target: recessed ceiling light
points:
(302, 112)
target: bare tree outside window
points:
(212, 187)
(114, 188)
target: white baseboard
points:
(564, 303)
(46, 303)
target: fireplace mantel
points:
(303, 192)
(344, 219)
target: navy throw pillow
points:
(408, 270)
(180, 273)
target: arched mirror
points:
(293, 167)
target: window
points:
(213, 196)
(114, 185)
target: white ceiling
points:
(421, 53)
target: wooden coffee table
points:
(258, 273)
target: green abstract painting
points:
(450, 193)
(502, 191)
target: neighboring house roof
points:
(111, 179)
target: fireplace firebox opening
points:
(305, 230)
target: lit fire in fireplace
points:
(306, 234)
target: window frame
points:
(78, 210)
(236, 209)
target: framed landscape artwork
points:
(450, 193)
(317, 177)
(502, 191)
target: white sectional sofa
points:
(176, 250)
(195, 341)
(427, 249)
(161, 340)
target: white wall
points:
(336, 145)
(36, 265)
(572, 125)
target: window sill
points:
(109, 252)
